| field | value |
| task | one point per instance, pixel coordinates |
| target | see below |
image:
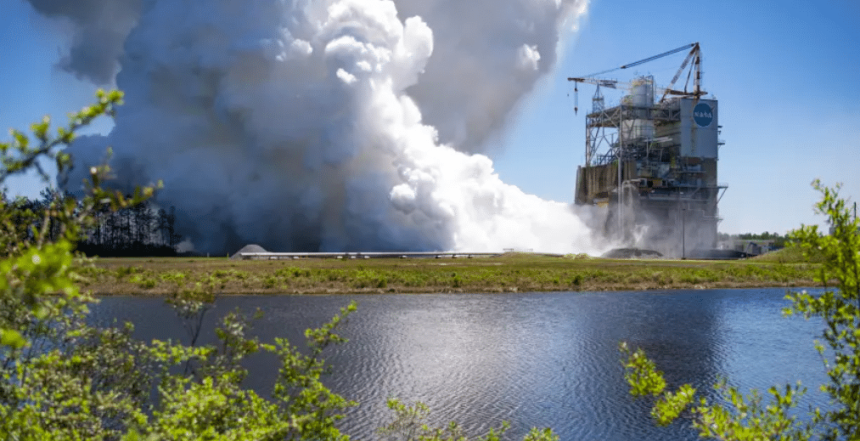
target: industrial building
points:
(652, 163)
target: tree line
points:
(135, 231)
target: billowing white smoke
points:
(300, 125)
(487, 55)
(97, 29)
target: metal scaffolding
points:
(654, 163)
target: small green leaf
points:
(12, 339)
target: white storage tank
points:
(641, 98)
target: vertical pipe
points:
(619, 154)
(683, 234)
(620, 198)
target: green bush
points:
(176, 277)
(124, 271)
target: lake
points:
(532, 359)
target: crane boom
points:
(673, 51)
(694, 52)
(615, 84)
(636, 63)
(694, 56)
(612, 84)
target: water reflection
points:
(534, 359)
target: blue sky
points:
(787, 74)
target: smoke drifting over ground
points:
(329, 125)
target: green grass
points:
(514, 272)
(788, 255)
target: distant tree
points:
(112, 225)
(143, 219)
(778, 240)
(161, 227)
(137, 230)
(171, 231)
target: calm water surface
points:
(533, 359)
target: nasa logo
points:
(703, 115)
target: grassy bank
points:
(509, 273)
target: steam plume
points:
(97, 30)
(300, 125)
